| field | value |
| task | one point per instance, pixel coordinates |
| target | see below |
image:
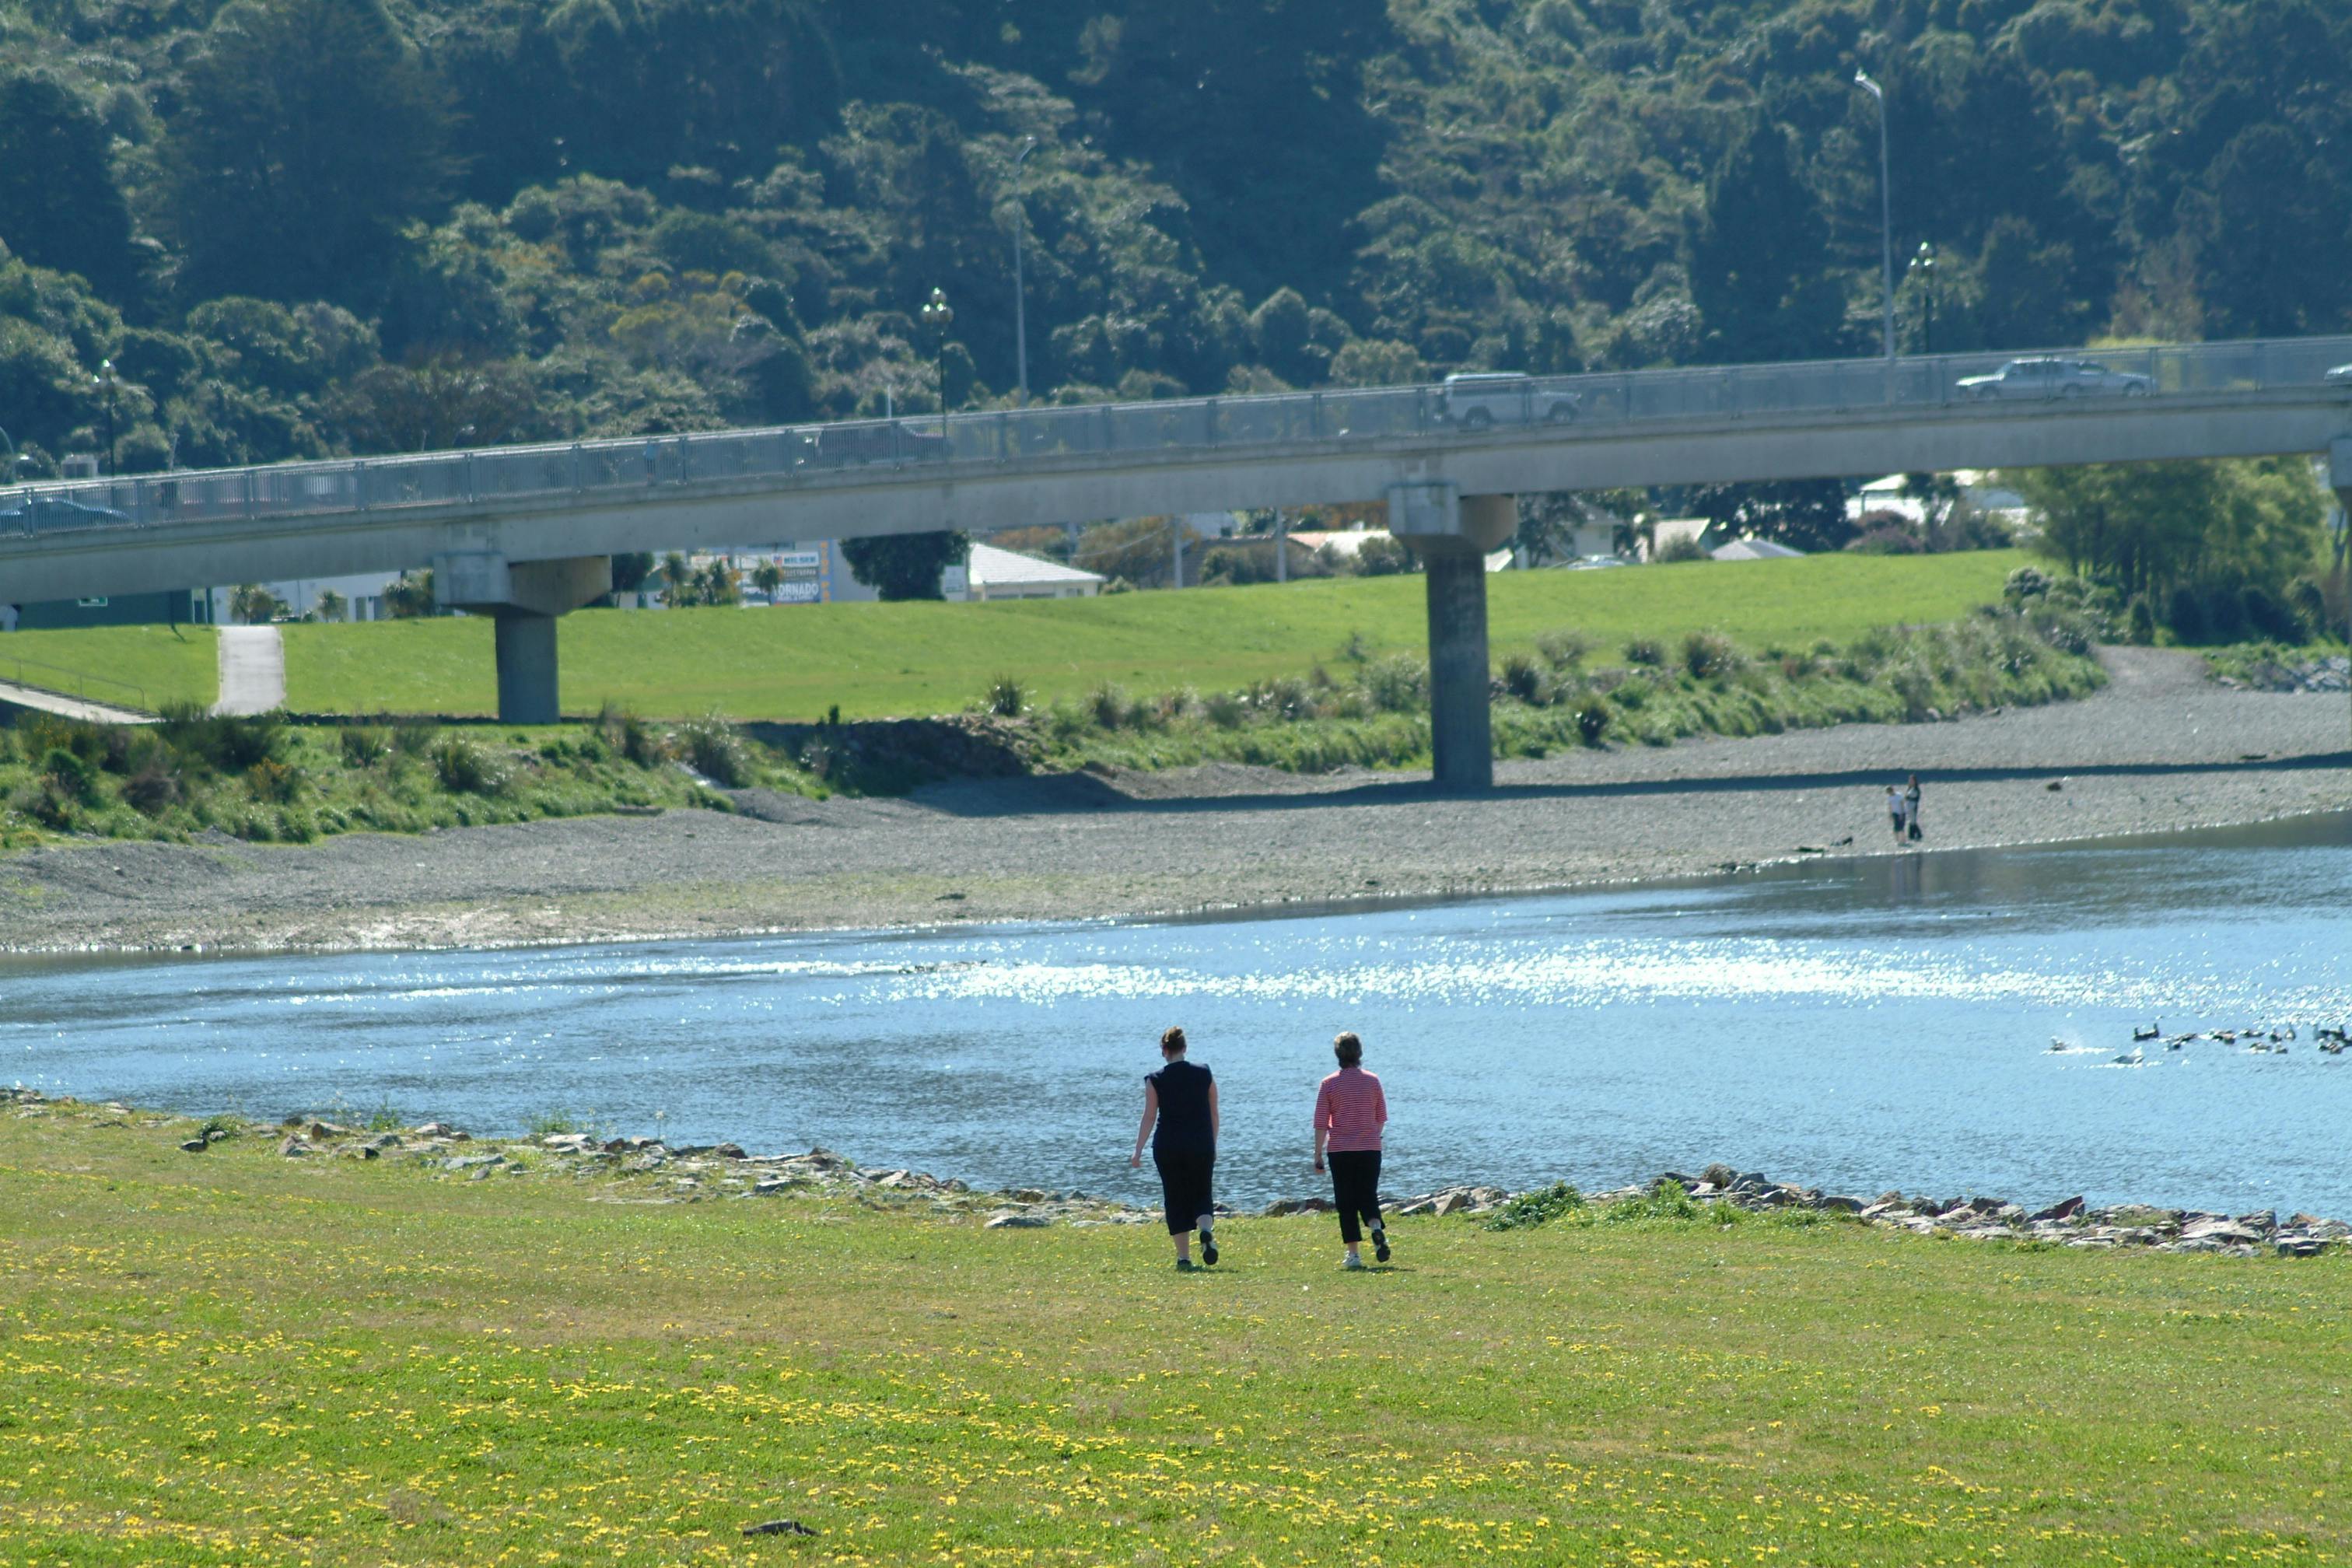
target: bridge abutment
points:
(1452, 534)
(523, 599)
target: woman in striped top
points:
(1350, 1111)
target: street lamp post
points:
(937, 315)
(106, 381)
(8, 477)
(1020, 293)
(1886, 207)
(1923, 264)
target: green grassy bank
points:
(135, 666)
(233, 1358)
(892, 660)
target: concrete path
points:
(34, 698)
(252, 670)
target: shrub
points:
(1592, 719)
(1226, 709)
(1710, 655)
(2025, 583)
(1648, 651)
(1526, 680)
(1678, 549)
(1561, 649)
(1284, 698)
(364, 745)
(1668, 1202)
(2139, 620)
(1529, 1210)
(639, 742)
(70, 777)
(1171, 706)
(2267, 615)
(2185, 613)
(719, 751)
(1107, 706)
(2309, 601)
(414, 738)
(273, 782)
(154, 789)
(1004, 697)
(465, 768)
(1397, 684)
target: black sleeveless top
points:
(1183, 1108)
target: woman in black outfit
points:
(1181, 1098)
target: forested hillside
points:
(302, 227)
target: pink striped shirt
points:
(1350, 1105)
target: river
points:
(1856, 1025)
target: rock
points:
(1842, 1205)
(1453, 1202)
(1888, 1196)
(384, 1140)
(195, 1145)
(568, 1143)
(1016, 1219)
(2299, 1246)
(443, 1129)
(360, 1151)
(1026, 1195)
(324, 1129)
(1677, 1178)
(1884, 1210)
(2218, 1232)
(472, 1162)
(1748, 1182)
(1719, 1176)
(778, 1527)
(2262, 1223)
(729, 1151)
(2067, 1209)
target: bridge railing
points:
(1578, 407)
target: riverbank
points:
(235, 1356)
(2160, 749)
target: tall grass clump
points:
(719, 751)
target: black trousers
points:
(1355, 1190)
(1184, 1186)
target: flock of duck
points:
(2331, 1038)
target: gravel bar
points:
(2160, 749)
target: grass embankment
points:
(233, 1358)
(124, 666)
(896, 660)
(266, 780)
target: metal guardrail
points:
(80, 689)
(1596, 406)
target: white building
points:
(992, 574)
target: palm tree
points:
(768, 577)
(330, 605)
(677, 580)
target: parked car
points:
(2340, 376)
(28, 514)
(1480, 400)
(1591, 563)
(892, 442)
(2050, 376)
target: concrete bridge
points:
(524, 533)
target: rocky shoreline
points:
(648, 1171)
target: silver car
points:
(1479, 400)
(2340, 376)
(2051, 376)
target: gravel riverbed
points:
(2160, 749)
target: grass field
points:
(888, 660)
(234, 1359)
(139, 667)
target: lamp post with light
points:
(1922, 265)
(1020, 293)
(1885, 206)
(937, 317)
(107, 382)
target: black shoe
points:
(1184, 1266)
(1380, 1243)
(1208, 1248)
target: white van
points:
(1478, 400)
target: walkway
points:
(252, 670)
(32, 697)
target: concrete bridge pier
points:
(1452, 534)
(522, 599)
(2339, 477)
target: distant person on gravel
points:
(1179, 1118)
(1350, 1111)
(1911, 809)
(1895, 809)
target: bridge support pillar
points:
(522, 599)
(1452, 534)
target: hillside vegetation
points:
(300, 227)
(235, 1358)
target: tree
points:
(59, 206)
(439, 403)
(1759, 262)
(768, 578)
(1803, 515)
(411, 598)
(307, 135)
(905, 565)
(330, 605)
(255, 604)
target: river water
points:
(1856, 1025)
